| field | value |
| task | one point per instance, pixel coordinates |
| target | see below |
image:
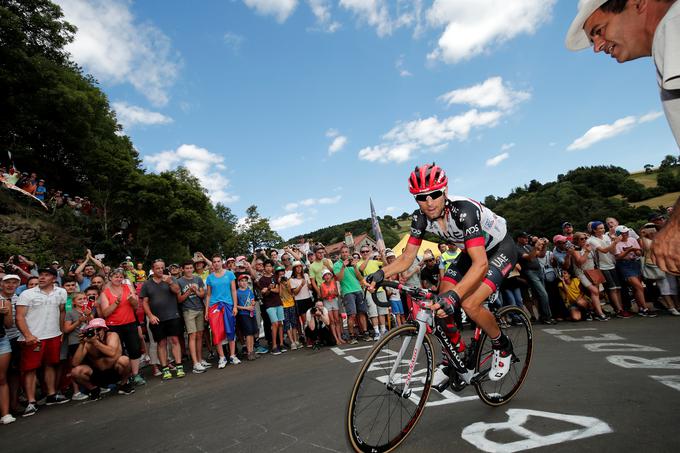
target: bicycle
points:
(394, 378)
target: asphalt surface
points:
(296, 402)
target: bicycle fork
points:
(405, 392)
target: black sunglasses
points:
(434, 195)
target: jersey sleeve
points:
(468, 218)
(418, 227)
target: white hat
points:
(621, 229)
(11, 277)
(576, 36)
(326, 271)
(389, 252)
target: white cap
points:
(11, 277)
(389, 252)
(621, 229)
(576, 36)
(326, 271)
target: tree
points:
(649, 168)
(668, 162)
(256, 231)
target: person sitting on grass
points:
(573, 297)
(99, 360)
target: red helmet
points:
(427, 178)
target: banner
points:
(376, 229)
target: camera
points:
(568, 245)
(89, 333)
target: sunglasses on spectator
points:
(434, 195)
(365, 251)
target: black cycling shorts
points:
(129, 339)
(502, 260)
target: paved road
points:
(586, 394)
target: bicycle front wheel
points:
(516, 326)
(379, 415)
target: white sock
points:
(376, 329)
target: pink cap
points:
(96, 323)
(559, 238)
(240, 258)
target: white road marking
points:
(673, 381)
(620, 347)
(631, 361)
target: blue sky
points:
(307, 108)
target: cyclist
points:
(488, 255)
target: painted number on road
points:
(476, 433)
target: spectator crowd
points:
(77, 332)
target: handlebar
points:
(417, 293)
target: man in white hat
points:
(627, 30)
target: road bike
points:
(392, 387)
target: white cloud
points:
(604, 131)
(330, 133)
(497, 159)
(117, 49)
(308, 202)
(472, 28)
(233, 41)
(650, 117)
(322, 11)
(390, 209)
(206, 166)
(399, 64)
(281, 9)
(286, 221)
(339, 142)
(132, 115)
(507, 146)
(492, 93)
(376, 14)
(429, 134)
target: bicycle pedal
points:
(442, 385)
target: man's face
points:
(98, 281)
(158, 269)
(390, 259)
(365, 254)
(612, 223)
(433, 205)
(568, 229)
(622, 35)
(429, 262)
(285, 259)
(319, 254)
(174, 271)
(259, 266)
(344, 253)
(9, 287)
(522, 240)
(70, 287)
(32, 283)
(188, 270)
(46, 279)
(89, 270)
(442, 248)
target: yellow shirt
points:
(140, 275)
(573, 290)
(287, 297)
(372, 266)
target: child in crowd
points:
(397, 306)
(290, 315)
(330, 291)
(76, 319)
(573, 297)
(245, 319)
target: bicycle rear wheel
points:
(516, 326)
(379, 418)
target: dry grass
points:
(646, 179)
(667, 199)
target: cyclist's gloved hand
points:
(376, 277)
(448, 301)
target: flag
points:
(376, 229)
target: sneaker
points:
(234, 360)
(157, 372)
(647, 314)
(276, 351)
(283, 349)
(367, 337)
(80, 396)
(353, 340)
(57, 398)
(601, 318)
(167, 375)
(624, 314)
(126, 389)
(31, 409)
(137, 380)
(673, 311)
(41, 401)
(300, 345)
(104, 390)
(500, 364)
(95, 394)
(441, 375)
(376, 336)
(198, 368)
(180, 371)
(206, 364)
(261, 350)
(7, 419)
(293, 346)
(222, 363)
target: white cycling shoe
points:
(440, 376)
(500, 364)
